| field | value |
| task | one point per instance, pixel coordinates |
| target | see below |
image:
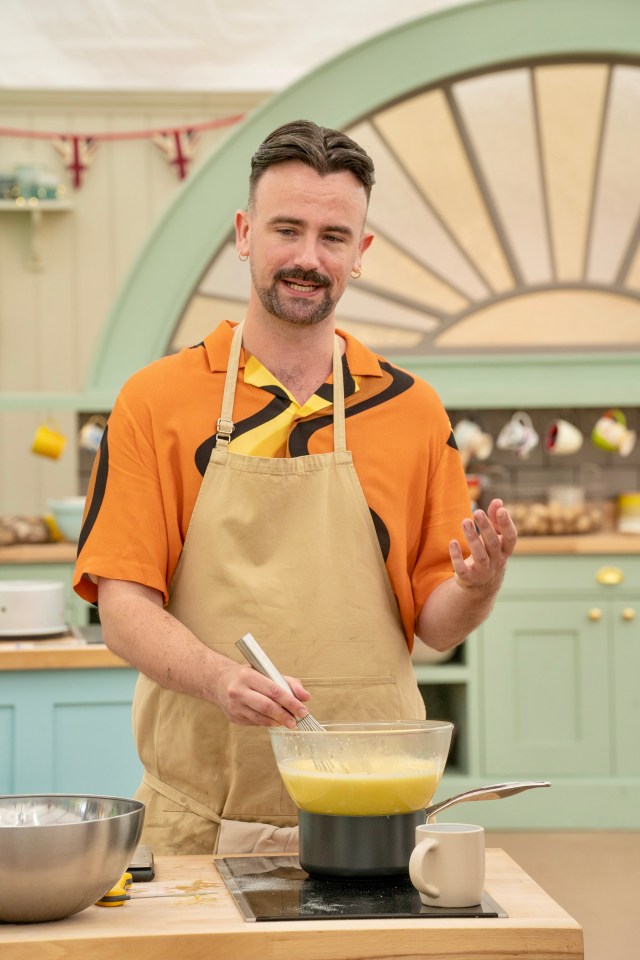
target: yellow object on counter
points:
(52, 526)
(386, 787)
(118, 894)
(629, 513)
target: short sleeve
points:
(124, 534)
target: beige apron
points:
(284, 548)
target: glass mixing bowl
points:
(363, 769)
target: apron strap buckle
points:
(224, 429)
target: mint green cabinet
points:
(625, 628)
(559, 662)
(547, 687)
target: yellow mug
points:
(48, 441)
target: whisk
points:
(255, 655)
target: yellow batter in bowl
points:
(389, 786)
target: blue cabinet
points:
(68, 731)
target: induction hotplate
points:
(277, 888)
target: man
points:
(278, 478)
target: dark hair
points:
(323, 149)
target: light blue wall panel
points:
(93, 748)
(68, 731)
(7, 725)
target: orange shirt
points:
(160, 434)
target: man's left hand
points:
(491, 539)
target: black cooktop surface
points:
(277, 888)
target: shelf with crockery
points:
(31, 204)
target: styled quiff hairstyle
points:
(325, 150)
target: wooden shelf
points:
(33, 204)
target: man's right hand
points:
(249, 698)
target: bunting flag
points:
(178, 146)
(79, 149)
(77, 154)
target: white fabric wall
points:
(208, 45)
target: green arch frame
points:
(451, 42)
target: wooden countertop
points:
(187, 912)
(585, 544)
(606, 542)
(67, 653)
(39, 553)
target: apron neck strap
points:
(339, 430)
(225, 425)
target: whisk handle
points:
(255, 655)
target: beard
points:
(298, 311)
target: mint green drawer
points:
(564, 574)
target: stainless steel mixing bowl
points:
(59, 854)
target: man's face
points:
(304, 235)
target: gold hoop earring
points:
(356, 274)
(243, 257)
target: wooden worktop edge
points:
(22, 656)
(596, 543)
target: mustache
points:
(308, 276)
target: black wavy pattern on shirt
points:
(302, 433)
(300, 436)
(273, 409)
(382, 534)
(98, 490)
(451, 442)
(326, 390)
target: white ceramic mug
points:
(611, 433)
(472, 440)
(91, 434)
(447, 864)
(518, 435)
(563, 438)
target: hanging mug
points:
(472, 441)
(563, 438)
(518, 435)
(91, 434)
(48, 441)
(610, 433)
